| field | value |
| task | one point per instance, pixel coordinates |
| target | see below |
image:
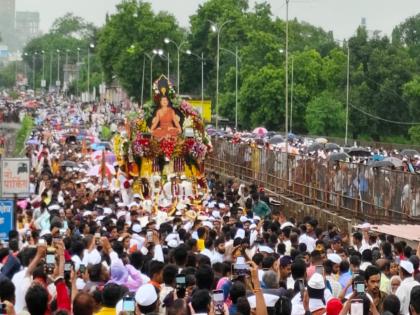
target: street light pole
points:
(88, 75)
(287, 78)
(78, 71)
(43, 69)
(58, 69)
(51, 65)
(215, 28)
(291, 96)
(151, 57)
(178, 47)
(188, 52)
(33, 72)
(236, 81)
(142, 81)
(348, 93)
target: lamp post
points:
(78, 71)
(58, 83)
(155, 52)
(236, 82)
(161, 54)
(34, 71)
(286, 120)
(188, 52)
(291, 95)
(216, 28)
(178, 47)
(88, 74)
(347, 93)
(51, 65)
(43, 85)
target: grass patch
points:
(23, 133)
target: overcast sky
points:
(340, 16)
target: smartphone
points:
(149, 236)
(180, 281)
(241, 270)
(82, 268)
(129, 305)
(359, 287)
(218, 300)
(50, 263)
(67, 270)
(356, 307)
(97, 239)
(319, 269)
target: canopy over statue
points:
(164, 138)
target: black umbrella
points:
(359, 152)
(315, 147)
(276, 140)
(68, 164)
(409, 152)
(339, 156)
(332, 147)
(382, 163)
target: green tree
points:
(414, 133)
(7, 76)
(325, 115)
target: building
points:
(7, 22)
(26, 27)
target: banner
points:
(6, 218)
(204, 108)
(14, 177)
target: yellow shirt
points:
(107, 311)
(200, 244)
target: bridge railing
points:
(350, 189)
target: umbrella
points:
(261, 131)
(382, 163)
(97, 170)
(409, 152)
(395, 161)
(97, 147)
(276, 140)
(315, 147)
(321, 140)
(332, 147)
(339, 156)
(68, 164)
(359, 152)
(32, 141)
(109, 156)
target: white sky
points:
(340, 16)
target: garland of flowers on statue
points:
(136, 143)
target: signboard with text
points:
(6, 218)
(14, 177)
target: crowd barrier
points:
(353, 190)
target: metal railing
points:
(353, 190)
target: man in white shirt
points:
(407, 284)
(186, 190)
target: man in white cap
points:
(407, 284)
(147, 299)
(332, 268)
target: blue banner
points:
(7, 219)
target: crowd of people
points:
(85, 243)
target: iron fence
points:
(351, 189)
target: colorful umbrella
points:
(101, 169)
(261, 131)
(109, 156)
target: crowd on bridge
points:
(86, 243)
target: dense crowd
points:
(86, 243)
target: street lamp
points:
(26, 69)
(51, 66)
(286, 90)
(155, 52)
(201, 58)
(216, 28)
(178, 47)
(43, 85)
(58, 83)
(236, 82)
(34, 71)
(91, 46)
(162, 55)
(78, 71)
